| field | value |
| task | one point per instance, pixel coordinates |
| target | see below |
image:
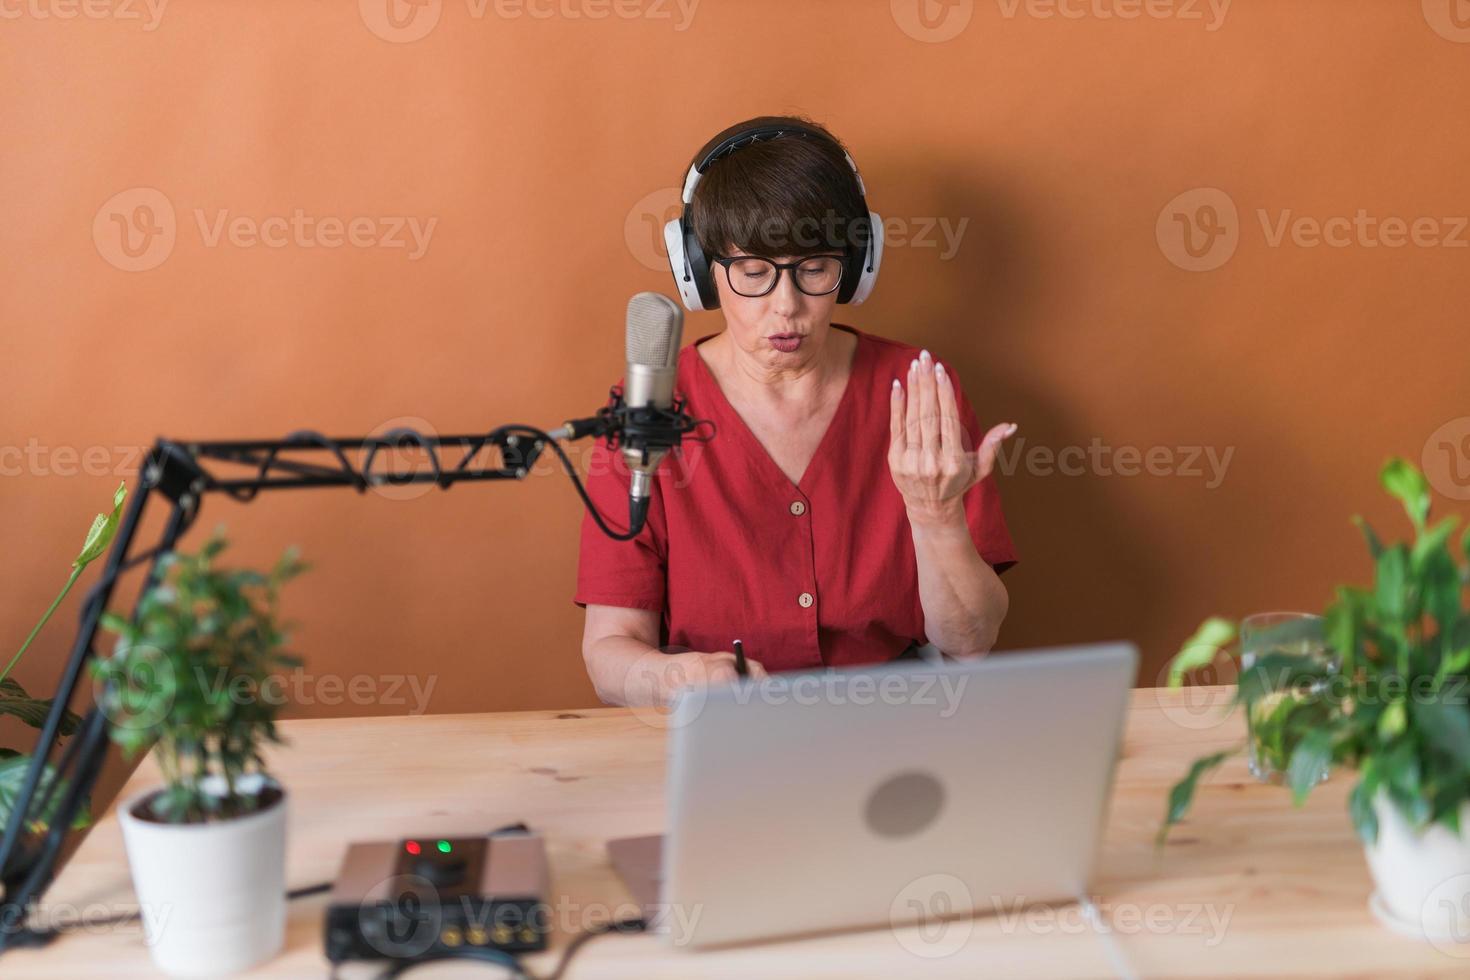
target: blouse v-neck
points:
(755, 446)
(820, 573)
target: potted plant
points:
(1391, 701)
(16, 702)
(188, 677)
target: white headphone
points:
(690, 266)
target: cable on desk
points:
(1094, 916)
(307, 890)
(495, 957)
(40, 937)
(625, 927)
(482, 953)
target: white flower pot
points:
(213, 895)
(1423, 879)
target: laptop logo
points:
(904, 804)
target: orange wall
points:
(543, 148)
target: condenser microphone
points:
(655, 329)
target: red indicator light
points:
(412, 847)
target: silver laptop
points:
(882, 796)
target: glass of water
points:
(1290, 634)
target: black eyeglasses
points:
(752, 276)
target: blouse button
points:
(798, 508)
(806, 600)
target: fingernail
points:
(939, 371)
(896, 387)
(1012, 430)
(924, 356)
(913, 365)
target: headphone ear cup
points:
(689, 269)
(699, 269)
(860, 273)
(852, 274)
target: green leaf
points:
(1360, 806)
(1401, 772)
(104, 528)
(1458, 660)
(186, 677)
(1440, 588)
(1392, 721)
(1309, 761)
(213, 545)
(1433, 541)
(12, 778)
(1200, 650)
(1182, 795)
(1412, 806)
(1276, 672)
(1447, 728)
(113, 622)
(1375, 546)
(1403, 481)
(1289, 634)
(1390, 584)
(98, 538)
(1341, 628)
(14, 701)
(287, 567)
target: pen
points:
(740, 666)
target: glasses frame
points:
(726, 260)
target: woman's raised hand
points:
(927, 456)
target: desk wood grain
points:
(1248, 887)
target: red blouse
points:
(817, 573)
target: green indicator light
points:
(444, 847)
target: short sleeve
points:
(619, 573)
(982, 501)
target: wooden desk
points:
(1287, 889)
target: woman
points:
(842, 513)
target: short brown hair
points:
(792, 195)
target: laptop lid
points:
(862, 797)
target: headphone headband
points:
(691, 268)
(738, 137)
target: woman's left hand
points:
(927, 456)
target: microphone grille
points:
(655, 328)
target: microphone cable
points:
(576, 479)
(547, 439)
